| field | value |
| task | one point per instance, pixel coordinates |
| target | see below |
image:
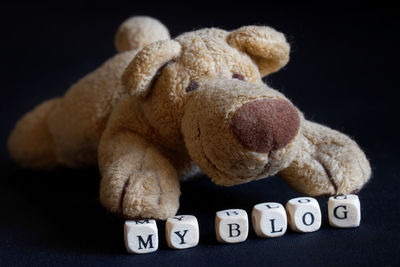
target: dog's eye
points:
(237, 76)
(192, 86)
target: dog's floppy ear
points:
(266, 46)
(139, 74)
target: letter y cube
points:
(182, 231)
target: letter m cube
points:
(141, 236)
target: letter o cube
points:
(182, 231)
(344, 211)
(231, 226)
(141, 236)
(269, 219)
(304, 214)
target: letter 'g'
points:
(335, 212)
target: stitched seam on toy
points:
(326, 170)
(159, 186)
(127, 183)
(266, 166)
(329, 175)
(121, 201)
(155, 79)
(204, 154)
(157, 178)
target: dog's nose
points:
(264, 125)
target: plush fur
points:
(161, 109)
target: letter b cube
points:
(141, 236)
(344, 211)
(182, 231)
(231, 226)
(304, 214)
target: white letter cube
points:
(182, 231)
(304, 214)
(269, 219)
(344, 211)
(231, 226)
(141, 236)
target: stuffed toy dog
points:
(163, 109)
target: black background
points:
(343, 73)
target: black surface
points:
(343, 73)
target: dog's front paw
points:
(344, 166)
(141, 195)
(328, 163)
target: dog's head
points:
(205, 89)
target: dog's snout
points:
(264, 125)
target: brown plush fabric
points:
(163, 109)
(266, 124)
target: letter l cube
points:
(269, 219)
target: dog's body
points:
(162, 107)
